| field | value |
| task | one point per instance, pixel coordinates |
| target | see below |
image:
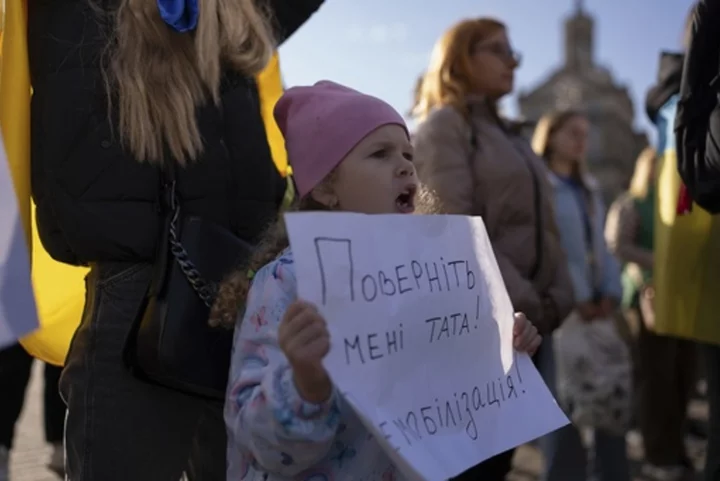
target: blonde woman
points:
(561, 140)
(478, 164)
(121, 88)
(665, 366)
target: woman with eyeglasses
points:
(478, 164)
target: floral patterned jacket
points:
(273, 435)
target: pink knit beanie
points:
(323, 123)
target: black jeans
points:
(54, 406)
(15, 369)
(119, 428)
(15, 365)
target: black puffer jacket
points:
(95, 202)
(697, 124)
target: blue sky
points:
(380, 46)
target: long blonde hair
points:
(448, 80)
(159, 77)
(642, 177)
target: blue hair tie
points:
(181, 15)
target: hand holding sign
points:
(421, 336)
(304, 339)
(525, 335)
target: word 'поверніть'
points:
(438, 275)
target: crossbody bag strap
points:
(166, 207)
(171, 206)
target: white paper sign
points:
(421, 328)
(18, 314)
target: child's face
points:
(378, 176)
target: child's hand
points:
(304, 338)
(525, 335)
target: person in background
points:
(286, 420)
(123, 89)
(665, 366)
(561, 139)
(15, 371)
(479, 164)
(686, 269)
(697, 125)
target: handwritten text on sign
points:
(421, 329)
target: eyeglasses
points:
(501, 51)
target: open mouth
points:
(405, 202)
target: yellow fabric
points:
(687, 263)
(15, 101)
(60, 296)
(271, 89)
(59, 288)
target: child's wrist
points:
(313, 388)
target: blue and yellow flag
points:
(59, 288)
(686, 272)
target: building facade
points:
(580, 83)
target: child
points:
(349, 152)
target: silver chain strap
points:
(207, 291)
